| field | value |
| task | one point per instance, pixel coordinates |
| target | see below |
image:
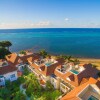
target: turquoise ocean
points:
(78, 42)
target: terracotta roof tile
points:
(80, 78)
(71, 77)
(77, 90)
(7, 69)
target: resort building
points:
(72, 76)
(62, 75)
(43, 67)
(87, 91)
(75, 81)
(19, 60)
(7, 72)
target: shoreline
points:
(95, 62)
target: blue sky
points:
(49, 13)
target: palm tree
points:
(76, 61)
(43, 53)
(69, 58)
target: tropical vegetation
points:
(4, 48)
(32, 86)
(69, 59)
(43, 53)
(22, 52)
(36, 92)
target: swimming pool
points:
(48, 64)
(92, 98)
(74, 71)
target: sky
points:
(49, 14)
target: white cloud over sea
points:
(47, 24)
(25, 25)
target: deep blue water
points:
(76, 42)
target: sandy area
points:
(95, 62)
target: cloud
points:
(41, 24)
(25, 25)
(66, 19)
(91, 25)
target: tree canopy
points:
(22, 52)
(3, 52)
(5, 44)
(43, 53)
(4, 48)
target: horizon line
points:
(53, 28)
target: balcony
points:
(54, 81)
(64, 88)
(64, 68)
(45, 62)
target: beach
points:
(93, 61)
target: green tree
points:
(48, 96)
(55, 95)
(32, 84)
(43, 53)
(5, 44)
(69, 58)
(76, 61)
(32, 97)
(22, 52)
(49, 86)
(3, 52)
(4, 93)
(19, 96)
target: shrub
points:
(49, 86)
(19, 96)
(22, 52)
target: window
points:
(12, 76)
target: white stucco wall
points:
(8, 76)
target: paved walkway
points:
(23, 90)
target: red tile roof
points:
(73, 94)
(7, 69)
(71, 77)
(44, 69)
(15, 59)
(76, 80)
